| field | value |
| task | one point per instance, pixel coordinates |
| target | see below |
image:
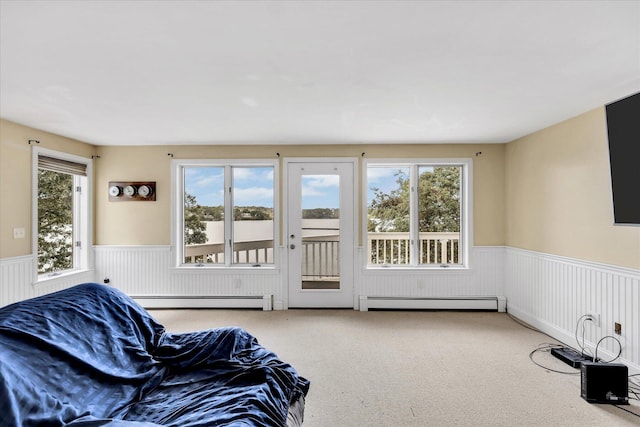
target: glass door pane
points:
(320, 254)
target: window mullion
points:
(78, 244)
(228, 216)
(413, 216)
(180, 214)
(462, 260)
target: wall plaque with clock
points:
(132, 191)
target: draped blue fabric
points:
(91, 356)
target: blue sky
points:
(320, 191)
(383, 178)
(254, 186)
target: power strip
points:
(570, 356)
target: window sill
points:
(205, 269)
(418, 269)
(50, 278)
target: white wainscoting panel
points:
(552, 293)
(135, 270)
(146, 272)
(549, 292)
(17, 275)
(484, 278)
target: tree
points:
(213, 213)
(438, 202)
(321, 213)
(252, 213)
(55, 221)
(389, 211)
(194, 226)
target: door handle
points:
(292, 246)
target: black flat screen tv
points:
(623, 128)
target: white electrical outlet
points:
(595, 319)
(18, 232)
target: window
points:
(225, 213)
(61, 214)
(417, 213)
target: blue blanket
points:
(91, 356)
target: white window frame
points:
(177, 203)
(466, 212)
(82, 215)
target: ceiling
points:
(307, 72)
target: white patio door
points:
(320, 233)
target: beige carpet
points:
(416, 368)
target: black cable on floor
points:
(626, 410)
(548, 347)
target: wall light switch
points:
(18, 233)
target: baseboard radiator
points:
(465, 303)
(264, 302)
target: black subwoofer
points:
(605, 383)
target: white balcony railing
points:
(252, 252)
(394, 248)
(321, 256)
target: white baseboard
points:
(263, 302)
(482, 303)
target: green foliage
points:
(252, 213)
(438, 202)
(389, 211)
(321, 213)
(55, 221)
(212, 213)
(195, 217)
(194, 226)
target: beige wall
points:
(15, 180)
(558, 194)
(132, 223)
(149, 223)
